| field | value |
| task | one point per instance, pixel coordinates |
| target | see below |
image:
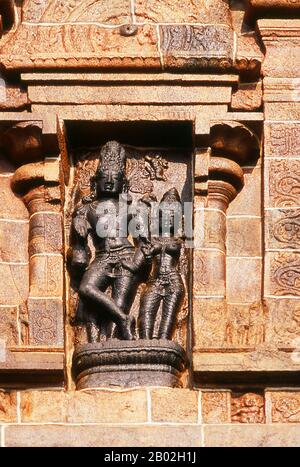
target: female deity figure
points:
(165, 284)
(106, 220)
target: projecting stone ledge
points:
(23, 366)
(157, 436)
(274, 4)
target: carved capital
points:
(226, 170)
(226, 179)
(39, 184)
(218, 172)
(218, 178)
(27, 177)
(234, 141)
(221, 194)
(23, 143)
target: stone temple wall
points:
(204, 96)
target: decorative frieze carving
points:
(69, 45)
(205, 45)
(196, 40)
(284, 183)
(248, 408)
(100, 11)
(246, 325)
(33, 10)
(183, 11)
(283, 228)
(284, 323)
(216, 407)
(209, 323)
(284, 274)
(282, 140)
(285, 406)
(46, 322)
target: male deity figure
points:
(106, 222)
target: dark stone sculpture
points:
(166, 284)
(112, 355)
(104, 220)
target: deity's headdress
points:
(171, 196)
(171, 203)
(112, 157)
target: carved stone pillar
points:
(38, 185)
(224, 181)
(219, 177)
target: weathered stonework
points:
(170, 340)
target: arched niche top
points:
(234, 141)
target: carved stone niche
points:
(31, 261)
(129, 291)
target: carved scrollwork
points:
(286, 324)
(285, 272)
(287, 230)
(142, 173)
(286, 409)
(283, 140)
(284, 179)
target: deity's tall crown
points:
(171, 196)
(112, 157)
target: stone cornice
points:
(281, 38)
(273, 28)
(275, 4)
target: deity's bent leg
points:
(149, 306)
(92, 288)
(123, 293)
(171, 306)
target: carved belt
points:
(112, 261)
(165, 280)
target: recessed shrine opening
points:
(128, 224)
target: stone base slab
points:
(155, 436)
(129, 364)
